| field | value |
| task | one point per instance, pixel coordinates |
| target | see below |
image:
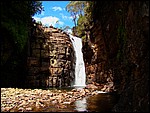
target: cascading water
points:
(80, 76)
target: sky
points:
(55, 14)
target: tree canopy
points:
(16, 17)
(81, 13)
(75, 8)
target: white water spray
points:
(80, 76)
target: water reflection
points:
(102, 102)
(81, 105)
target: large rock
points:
(51, 58)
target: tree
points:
(75, 8)
(16, 18)
(82, 10)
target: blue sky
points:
(55, 14)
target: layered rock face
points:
(118, 51)
(51, 58)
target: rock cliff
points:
(50, 58)
(117, 51)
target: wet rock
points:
(66, 102)
(91, 86)
(28, 100)
(28, 109)
(21, 109)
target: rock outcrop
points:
(51, 58)
(119, 42)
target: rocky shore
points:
(36, 100)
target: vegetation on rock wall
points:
(124, 27)
(15, 29)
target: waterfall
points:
(80, 76)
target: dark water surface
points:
(102, 102)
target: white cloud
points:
(49, 20)
(57, 8)
(60, 23)
(65, 17)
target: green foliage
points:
(16, 18)
(121, 40)
(76, 8)
(18, 32)
(15, 23)
(121, 36)
(80, 29)
(83, 37)
(82, 10)
(36, 7)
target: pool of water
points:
(102, 102)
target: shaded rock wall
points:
(51, 58)
(13, 60)
(119, 42)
